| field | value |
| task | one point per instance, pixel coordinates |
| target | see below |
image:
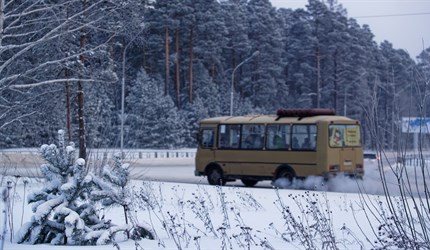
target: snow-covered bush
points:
(63, 213)
(112, 189)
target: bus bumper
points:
(330, 175)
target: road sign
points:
(416, 125)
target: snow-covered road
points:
(181, 170)
(28, 165)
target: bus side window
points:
(278, 137)
(229, 136)
(252, 136)
(304, 137)
(306, 143)
(207, 138)
(295, 142)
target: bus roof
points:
(275, 119)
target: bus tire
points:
(215, 176)
(249, 183)
(285, 173)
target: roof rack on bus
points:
(302, 113)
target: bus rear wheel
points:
(249, 183)
(284, 178)
(215, 176)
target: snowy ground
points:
(343, 212)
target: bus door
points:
(206, 149)
(228, 146)
(251, 154)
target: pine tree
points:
(112, 189)
(299, 51)
(153, 116)
(62, 211)
(265, 87)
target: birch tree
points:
(42, 48)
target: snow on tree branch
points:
(62, 212)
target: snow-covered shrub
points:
(112, 189)
(63, 214)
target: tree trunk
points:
(335, 80)
(125, 207)
(82, 142)
(317, 64)
(191, 66)
(82, 146)
(1, 20)
(177, 66)
(318, 87)
(69, 127)
(68, 106)
(166, 44)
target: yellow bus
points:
(294, 143)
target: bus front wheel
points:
(215, 176)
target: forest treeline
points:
(64, 64)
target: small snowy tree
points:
(63, 213)
(112, 189)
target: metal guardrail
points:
(144, 155)
(129, 154)
(26, 162)
(414, 160)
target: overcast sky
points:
(401, 22)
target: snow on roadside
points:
(195, 216)
(208, 217)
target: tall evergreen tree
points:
(210, 93)
(422, 76)
(153, 119)
(265, 36)
(395, 82)
(299, 52)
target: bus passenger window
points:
(278, 137)
(278, 143)
(207, 138)
(229, 136)
(306, 143)
(304, 137)
(248, 142)
(252, 136)
(295, 143)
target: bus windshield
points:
(344, 136)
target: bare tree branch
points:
(21, 86)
